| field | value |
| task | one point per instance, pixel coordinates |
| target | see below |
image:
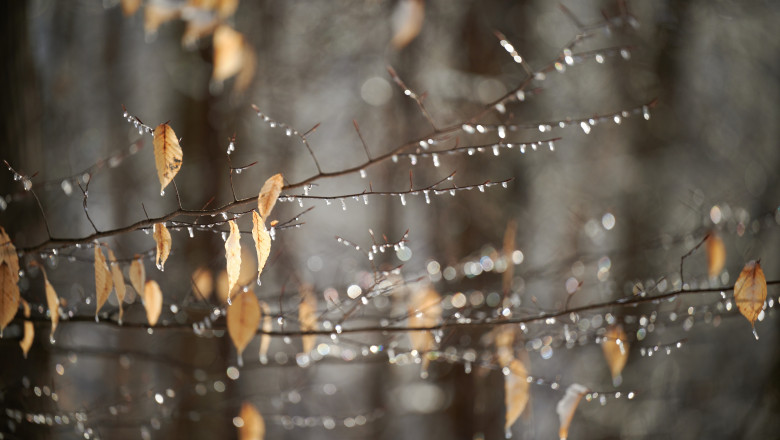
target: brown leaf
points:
(138, 275)
(269, 193)
(54, 305)
(233, 256)
(119, 282)
(407, 22)
(515, 392)
(153, 301)
(8, 254)
(129, 7)
(253, 427)
(615, 350)
(167, 154)
(229, 51)
(103, 281)
(29, 330)
(265, 338)
(509, 248)
(505, 339)
(567, 406)
(9, 295)
(750, 292)
(243, 317)
(262, 242)
(307, 316)
(203, 282)
(163, 239)
(716, 255)
(424, 311)
(155, 15)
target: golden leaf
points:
(29, 330)
(750, 292)
(253, 427)
(509, 248)
(163, 239)
(262, 242)
(226, 8)
(307, 316)
(8, 254)
(424, 311)
(196, 30)
(119, 282)
(716, 255)
(269, 193)
(155, 15)
(153, 301)
(129, 7)
(229, 51)
(505, 339)
(243, 317)
(167, 154)
(138, 275)
(515, 391)
(407, 22)
(54, 304)
(567, 406)
(265, 338)
(103, 281)
(615, 349)
(203, 282)
(9, 295)
(233, 256)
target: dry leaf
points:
(226, 8)
(253, 427)
(750, 292)
(203, 282)
(167, 154)
(163, 239)
(307, 316)
(716, 255)
(615, 351)
(103, 281)
(119, 282)
(54, 305)
(129, 7)
(407, 22)
(515, 391)
(8, 254)
(29, 330)
(265, 338)
(269, 193)
(567, 406)
(9, 295)
(262, 242)
(424, 311)
(233, 256)
(509, 248)
(138, 275)
(505, 339)
(153, 301)
(243, 317)
(155, 15)
(229, 50)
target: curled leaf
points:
(407, 22)
(29, 330)
(515, 391)
(203, 282)
(269, 193)
(262, 242)
(243, 317)
(8, 254)
(9, 295)
(750, 291)
(163, 239)
(138, 275)
(615, 350)
(153, 301)
(424, 311)
(233, 256)
(265, 338)
(253, 426)
(54, 304)
(567, 406)
(307, 315)
(119, 282)
(167, 154)
(716, 255)
(103, 280)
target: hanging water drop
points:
(645, 113)
(468, 128)
(585, 127)
(403, 200)
(435, 158)
(501, 131)
(343, 205)
(495, 150)
(427, 197)
(362, 173)
(162, 192)
(191, 231)
(413, 159)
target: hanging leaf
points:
(103, 281)
(153, 301)
(163, 239)
(8, 254)
(615, 350)
(265, 338)
(167, 154)
(233, 256)
(750, 292)
(307, 316)
(567, 406)
(269, 193)
(424, 311)
(407, 22)
(232, 55)
(262, 242)
(253, 426)
(243, 317)
(119, 282)
(54, 305)
(29, 330)
(203, 282)
(138, 275)
(716, 255)
(515, 391)
(505, 339)
(9, 295)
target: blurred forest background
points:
(610, 209)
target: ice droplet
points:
(67, 187)
(413, 159)
(363, 174)
(585, 127)
(427, 197)
(435, 158)
(162, 192)
(403, 200)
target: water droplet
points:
(191, 231)
(395, 158)
(230, 301)
(363, 173)
(755, 333)
(435, 158)
(625, 54)
(468, 128)
(343, 205)
(413, 159)
(501, 131)
(645, 113)
(403, 200)
(162, 192)
(427, 197)
(585, 127)
(495, 150)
